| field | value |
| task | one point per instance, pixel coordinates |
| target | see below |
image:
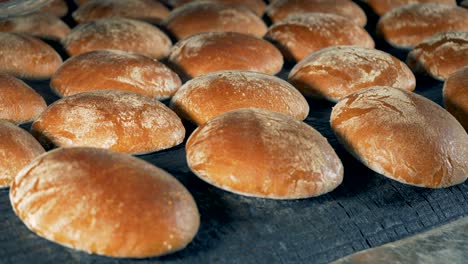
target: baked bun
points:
(217, 51)
(148, 10)
(36, 24)
(199, 17)
(381, 7)
(281, 9)
(117, 120)
(17, 149)
(27, 57)
(257, 6)
(287, 159)
(56, 7)
(333, 73)
(120, 34)
(301, 35)
(403, 136)
(115, 70)
(440, 55)
(210, 95)
(104, 203)
(409, 25)
(19, 103)
(456, 95)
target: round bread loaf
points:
(27, 57)
(148, 10)
(217, 51)
(56, 7)
(115, 70)
(19, 103)
(210, 95)
(333, 73)
(403, 136)
(36, 24)
(259, 153)
(300, 35)
(257, 6)
(440, 55)
(17, 149)
(118, 33)
(381, 7)
(117, 120)
(456, 96)
(199, 17)
(409, 25)
(281, 9)
(104, 203)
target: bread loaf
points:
(210, 95)
(257, 6)
(121, 121)
(56, 7)
(403, 136)
(381, 7)
(104, 203)
(259, 153)
(300, 35)
(440, 55)
(333, 73)
(17, 149)
(118, 33)
(455, 93)
(217, 51)
(115, 70)
(36, 24)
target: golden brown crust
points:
(56, 7)
(118, 33)
(36, 24)
(117, 120)
(257, 6)
(217, 51)
(403, 136)
(105, 203)
(210, 95)
(381, 7)
(260, 153)
(17, 149)
(300, 35)
(27, 57)
(115, 70)
(440, 55)
(409, 25)
(19, 103)
(281, 9)
(333, 73)
(456, 95)
(148, 10)
(199, 17)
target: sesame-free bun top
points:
(300, 35)
(17, 149)
(148, 10)
(36, 24)
(119, 205)
(403, 136)
(440, 55)
(56, 7)
(115, 70)
(381, 7)
(118, 33)
(210, 95)
(210, 52)
(456, 95)
(409, 25)
(19, 103)
(25, 56)
(281, 9)
(117, 120)
(333, 73)
(259, 153)
(198, 17)
(258, 6)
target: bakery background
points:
(367, 210)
